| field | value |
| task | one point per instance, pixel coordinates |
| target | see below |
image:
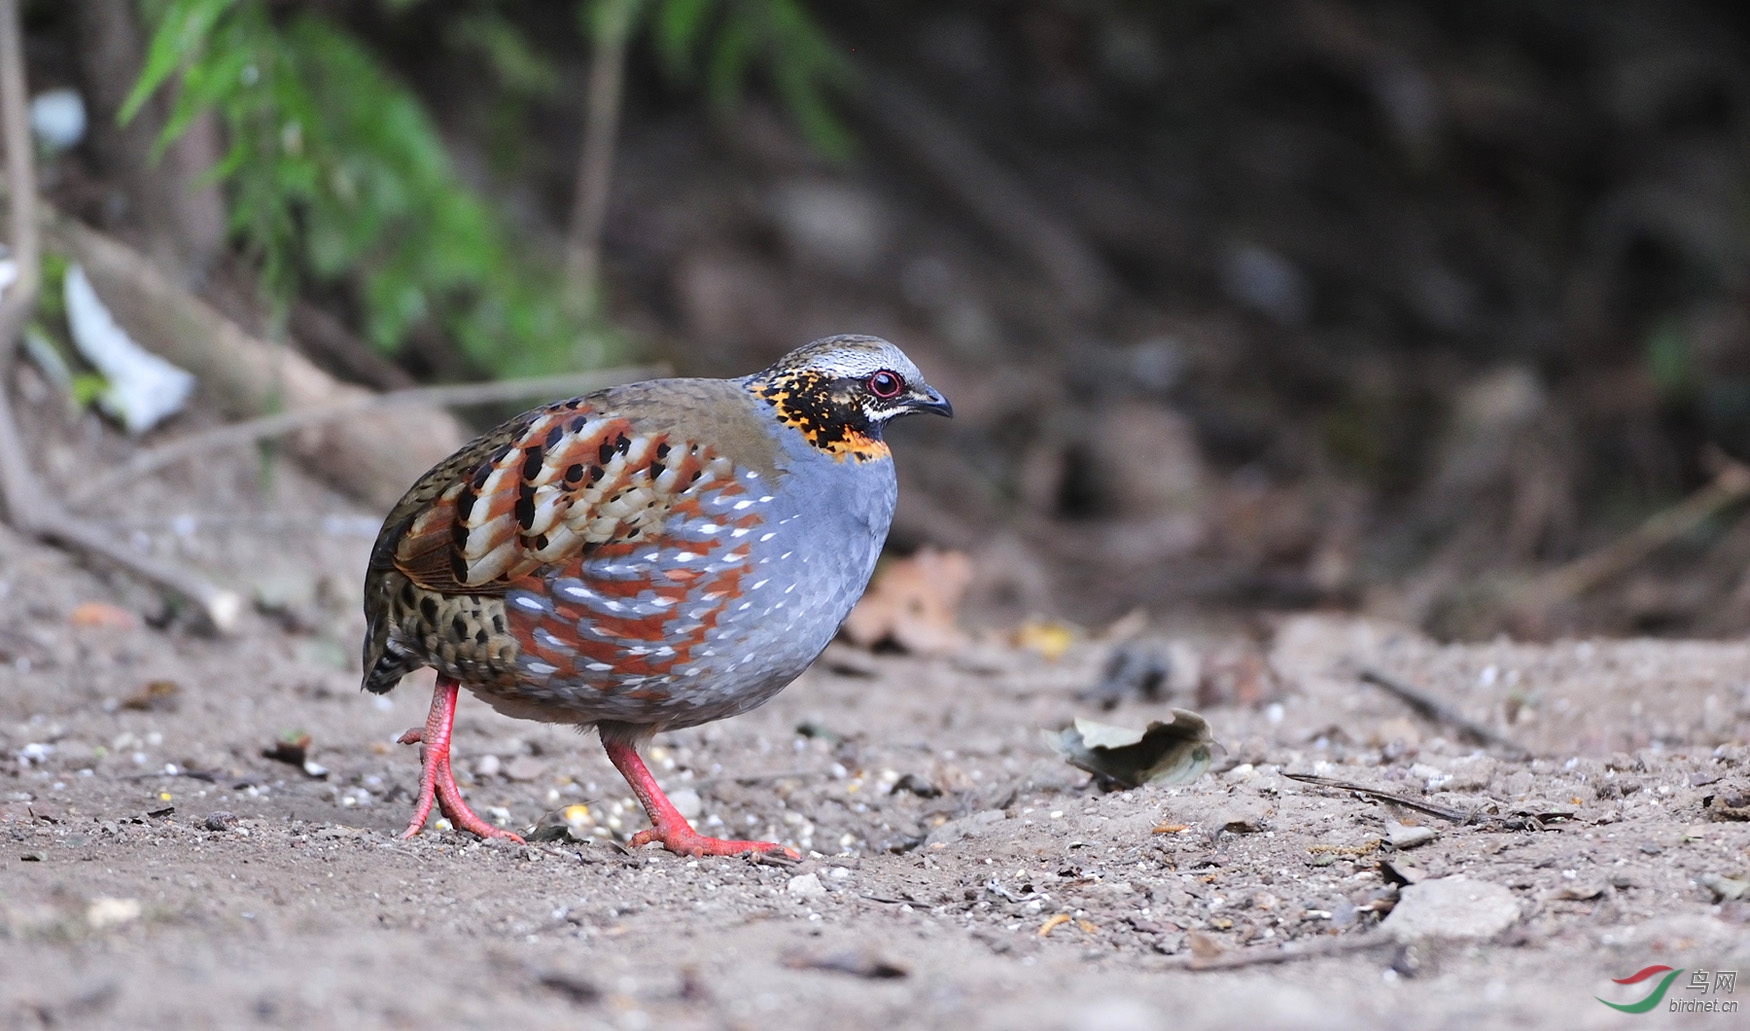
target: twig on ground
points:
(31, 509)
(1428, 808)
(249, 431)
(1729, 486)
(1439, 712)
(1266, 956)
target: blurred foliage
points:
(336, 173)
(726, 38)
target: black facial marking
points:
(532, 459)
(458, 567)
(605, 453)
(480, 475)
(577, 424)
(827, 411)
(574, 473)
(657, 469)
(595, 473)
(428, 609)
(480, 636)
(464, 505)
(459, 626)
(622, 443)
(662, 450)
(497, 623)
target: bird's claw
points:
(686, 841)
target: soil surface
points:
(158, 870)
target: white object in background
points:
(57, 118)
(143, 388)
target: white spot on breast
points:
(687, 556)
(542, 668)
(578, 592)
(744, 606)
(613, 606)
(599, 667)
(710, 528)
(762, 583)
(752, 475)
(790, 588)
(739, 532)
(768, 536)
(768, 497)
(526, 603)
(785, 555)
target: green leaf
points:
(182, 34)
(677, 28)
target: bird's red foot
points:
(671, 828)
(436, 782)
(684, 840)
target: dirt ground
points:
(157, 870)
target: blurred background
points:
(1433, 311)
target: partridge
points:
(644, 558)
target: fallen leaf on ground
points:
(1048, 640)
(915, 604)
(159, 696)
(102, 616)
(1725, 889)
(1174, 752)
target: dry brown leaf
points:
(102, 616)
(914, 603)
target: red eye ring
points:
(886, 384)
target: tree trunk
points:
(184, 220)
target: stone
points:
(1452, 907)
(805, 886)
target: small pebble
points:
(806, 886)
(220, 820)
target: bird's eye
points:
(886, 383)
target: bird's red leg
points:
(435, 779)
(671, 828)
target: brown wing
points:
(540, 488)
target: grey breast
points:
(809, 562)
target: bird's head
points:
(840, 391)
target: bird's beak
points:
(925, 398)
